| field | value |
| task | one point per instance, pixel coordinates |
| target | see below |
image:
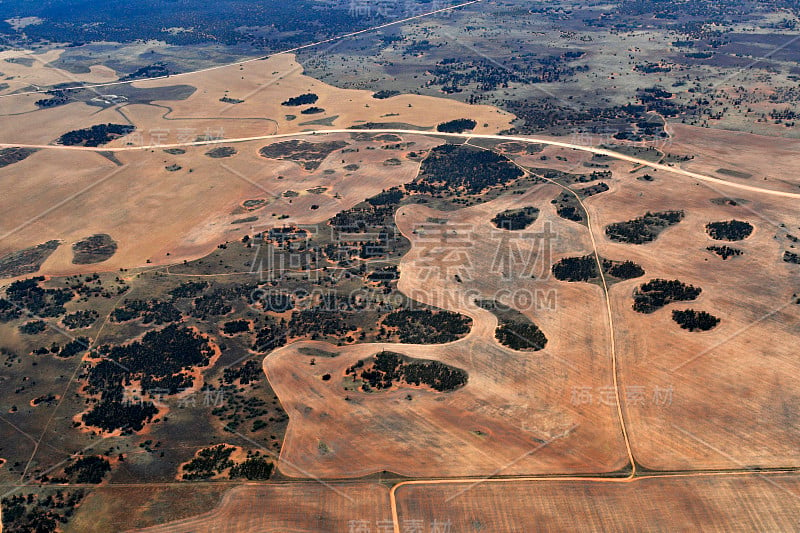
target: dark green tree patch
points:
(622, 269)
(162, 359)
(695, 320)
(47, 399)
(272, 335)
(249, 372)
(585, 269)
(96, 135)
(643, 229)
(94, 249)
(91, 469)
(34, 327)
(210, 305)
(80, 319)
(38, 513)
(155, 70)
(110, 415)
(791, 257)
(387, 369)
(156, 312)
(254, 468)
(730, 230)
(189, 289)
(161, 362)
(74, 347)
(516, 219)
(576, 268)
(233, 327)
(725, 251)
(29, 295)
(387, 197)
(384, 94)
(520, 336)
(424, 326)
(303, 99)
(457, 126)
(208, 463)
(570, 212)
(9, 311)
(459, 169)
(656, 293)
(591, 190)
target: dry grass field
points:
(26, 70)
(308, 507)
(110, 508)
(166, 216)
(722, 398)
(770, 162)
(262, 87)
(154, 203)
(516, 414)
(733, 402)
(690, 400)
(719, 503)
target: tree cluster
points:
(458, 169)
(424, 326)
(95, 135)
(643, 229)
(516, 219)
(386, 369)
(303, 99)
(695, 320)
(457, 126)
(725, 251)
(156, 312)
(657, 293)
(730, 230)
(521, 336)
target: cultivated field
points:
(163, 215)
(719, 503)
(164, 207)
(515, 414)
(308, 506)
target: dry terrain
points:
(164, 207)
(515, 415)
(308, 506)
(719, 503)
(611, 382)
